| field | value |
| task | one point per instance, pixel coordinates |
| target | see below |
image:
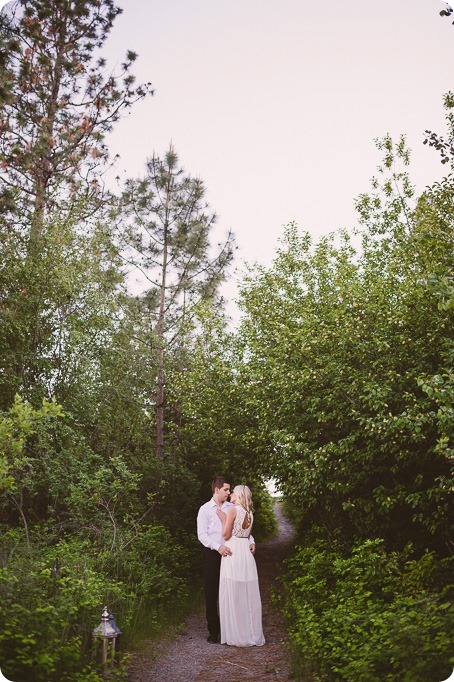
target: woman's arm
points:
(227, 527)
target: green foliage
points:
(445, 146)
(339, 384)
(61, 103)
(47, 615)
(369, 615)
(52, 598)
(20, 423)
(164, 226)
(152, 565)
(88, 540)
(164, 232)
(210, 432)
(346, 379)
(265, 523)
(336, 349)
(58, 309)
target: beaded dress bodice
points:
(238, 530)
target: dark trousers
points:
(211, 570)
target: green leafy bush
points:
(265, 523)
(369, 616)
(51, 598)
(152, 565)
(48, 609)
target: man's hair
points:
(218, 482)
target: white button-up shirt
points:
(209, 526)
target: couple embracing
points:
(229, 569)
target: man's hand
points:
(252, 547)
(225, 551)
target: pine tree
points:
(61, 106)
(57, 104)
(169, 241)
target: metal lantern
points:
(108, 631)
(113, 623)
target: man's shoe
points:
(214, 639)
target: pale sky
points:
(275, 104)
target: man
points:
(209, 532)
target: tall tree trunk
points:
(160, 333)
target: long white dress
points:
(240, 606)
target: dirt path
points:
(190, 658)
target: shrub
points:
(369, 616)
(47, 615)
(152, 563)
(51, 598)
(265, 523)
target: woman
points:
(240, 606)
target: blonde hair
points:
(244, 497)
